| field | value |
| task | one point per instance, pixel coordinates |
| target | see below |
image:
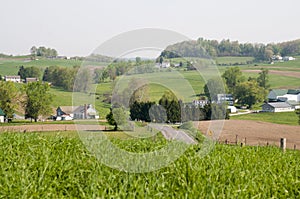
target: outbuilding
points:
(277, 107)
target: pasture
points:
(289, 118)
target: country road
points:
(171, 134)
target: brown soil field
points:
(50, 127)
(277, 72)
(256, 133)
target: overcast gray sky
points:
(76, 27)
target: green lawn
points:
(279, 118)
(35, 165)
(234, 60)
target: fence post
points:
(295, 146)
(236, 139)
(245, 141)
(283, 144)
(226, 141)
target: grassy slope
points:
(35, 165)
(278, 118)
(63, 98)
(11, 66)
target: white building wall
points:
(1, 119)
(291, 97)
(283, 110)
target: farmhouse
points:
(76, 112)
(277, 107)
(31, 79)
(15, 78)
(163, 65)
(226, 98)
(200, 103)
(2, 116)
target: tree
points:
(33, 51)
(212, 88)
(249, 93)
(171, 104)
(297, 111)
(117, 117)
(29, 72)
(110, 119)
(141, 111)
(140, 90)
(38, 100)
(9, 98)
(233, 76)
(157, 114)
(263, 81)
(138, 60)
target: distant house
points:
(76, 112)
(277, 107)
(200, 103)
(163, 65)
(85, 112)
(31, 79)
(288, 58)
(15, 78)
(277, 58)
(64, 113)
(2, 116)
(228, 98)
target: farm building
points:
(284, 95)
(277, 107)
(15, 78)
(232, 109)
(31, 79)
(76, 112)
(2, 116)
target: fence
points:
(283, 143)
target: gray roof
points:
(273, 94)
(293, 92)
(280, 105)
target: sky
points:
(78, 27)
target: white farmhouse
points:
(15, 78)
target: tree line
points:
(42, 52)
(33, 98)
(213, 48)
(169, 109)
(70, 79)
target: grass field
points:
(59, 166)
(161, 81)
(234, 60)
(10, 66)
(278, 118)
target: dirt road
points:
(171, 134)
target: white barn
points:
(277, 107)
